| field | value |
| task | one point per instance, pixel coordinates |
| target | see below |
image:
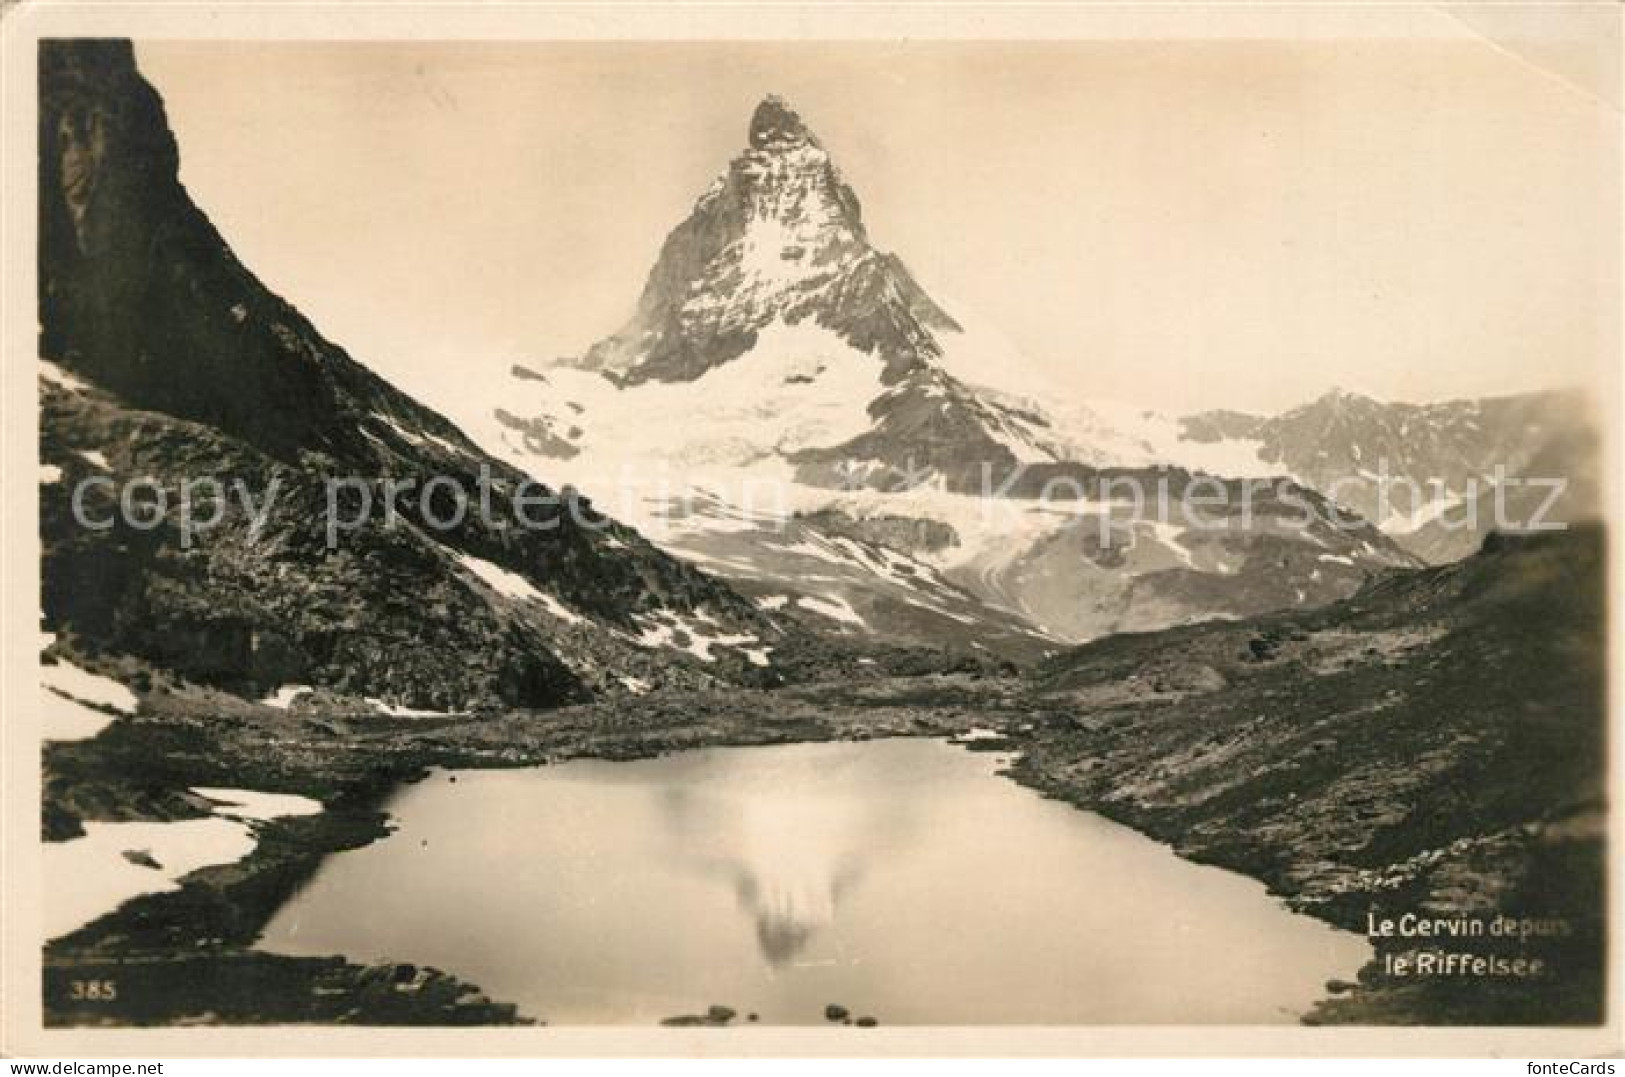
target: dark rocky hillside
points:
(170, 359)
(1434, 744)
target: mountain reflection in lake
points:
(790, 857)
(900, 878)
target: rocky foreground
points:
(1432, 748)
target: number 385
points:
(93, 990)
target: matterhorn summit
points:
(778, 238)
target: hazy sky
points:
(1181, 224)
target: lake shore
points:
(350, 760)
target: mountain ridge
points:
(1439, 460)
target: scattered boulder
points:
(1261, 648)
(684, 1020)
(715, 1016)
(142, 858)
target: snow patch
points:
(695, 635)
(505, 583)
(64, 719)
(420, 438)
(801, 386)
(250, 805)
(559, 610)
(1400, 523)
(834, 607)
(395, 710)
(90, 876)
(284, 696)
(54, 374)
(512, 585)
(69, 680)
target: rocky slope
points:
(1433, 745)
(166, 358)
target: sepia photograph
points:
(816, 529)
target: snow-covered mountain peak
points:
(775, 124)
(771, 331)
(778, 238)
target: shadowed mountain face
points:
(166, 357)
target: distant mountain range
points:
(1440, 461)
